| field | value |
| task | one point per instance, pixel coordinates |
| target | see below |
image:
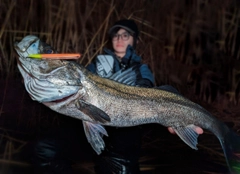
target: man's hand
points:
(198, 130)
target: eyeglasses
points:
(124, 36)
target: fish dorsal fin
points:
(127, 77)
(94, 134)
(188, 135)
(93, 112)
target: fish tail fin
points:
(231, 148)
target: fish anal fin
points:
(93, 112)
(188, 134)
(94, 134)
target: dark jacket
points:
(144, 75)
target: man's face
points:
(121, 40)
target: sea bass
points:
(70, 89)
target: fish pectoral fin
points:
(92, 111)
(94, 134)
(188, 134)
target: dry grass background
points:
(190, 44)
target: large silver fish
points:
(68, 88)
